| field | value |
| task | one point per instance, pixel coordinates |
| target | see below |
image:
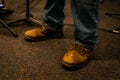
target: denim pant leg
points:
(53, 13)
(86, 19)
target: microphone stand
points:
(28, 18)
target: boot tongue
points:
(82, 50)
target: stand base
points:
(28, 20)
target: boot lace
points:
(83, 51)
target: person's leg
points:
(52, 26)
(86, 19)
(53, 13)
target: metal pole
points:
(27, 9)
(3, 2)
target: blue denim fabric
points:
(85, 15)
(53, 13)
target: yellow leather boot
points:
(42, 33)
(76, 55)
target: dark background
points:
(21, 60)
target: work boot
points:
(75, 56)
(42, 33)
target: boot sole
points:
(69, 65)
(60, 36)
(76, 66)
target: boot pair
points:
(76, 55)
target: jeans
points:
(85, 15)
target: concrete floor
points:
(21, 60)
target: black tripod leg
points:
(14, 34)
(32, 20)
(16, 21)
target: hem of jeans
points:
(57, 27)
(85, 45)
